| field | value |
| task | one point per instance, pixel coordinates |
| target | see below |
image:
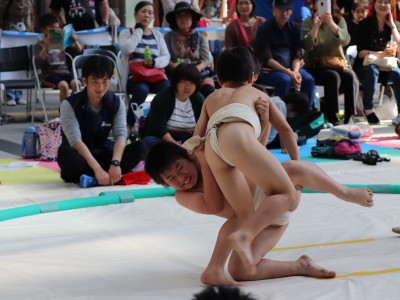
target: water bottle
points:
(86, 181)
(147, 53)
(29, 143)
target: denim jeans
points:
(371, 76)
(13, 95)
(139, 92)
(283, 83)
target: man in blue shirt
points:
(278, 46)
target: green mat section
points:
(27, 175)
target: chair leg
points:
(381, 93)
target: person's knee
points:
(292, 169)
(63, 86)
(371, 70)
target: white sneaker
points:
(11, 102)
(397, 120)
(21, 102)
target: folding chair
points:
(16, 73)
(107, 53)
(37, 70)
(80, 60)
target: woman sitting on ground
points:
(174, 111)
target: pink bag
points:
(50, 139)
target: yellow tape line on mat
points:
(325, 244)
(355, 274)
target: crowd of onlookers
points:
(296, 44)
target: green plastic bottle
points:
(147, 53)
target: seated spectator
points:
(243, 30)
(163, 7)
(133, 43)
(359, 11)
(83, 14)
(53, 62)
(279, 50)
(374, 34)
(174, 111)
(187, 45)
(14, 97)
(324, 37)
(87, 119)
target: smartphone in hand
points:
(323, 7)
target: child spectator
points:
(359, 11)
(54, 66)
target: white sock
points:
(368, 112)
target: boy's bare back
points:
(246, 95)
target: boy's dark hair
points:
(187, 72)
(47, 20)
(299, 101)
(222, 293)
(235, 64)
(98, 66)
(160, 158)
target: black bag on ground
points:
(336, 147)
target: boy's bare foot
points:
(360, 196)
(241, 243)
(309, 268)
(217, 276)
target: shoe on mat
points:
(11, 102)
(21, 101)
(373, 119)
(397, 120)
(396, 230)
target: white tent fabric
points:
(155, 249)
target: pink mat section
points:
(387, 141)
(51, 165)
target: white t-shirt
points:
(182, 116)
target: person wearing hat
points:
(187, 45)
(163, 7)
(278, 47)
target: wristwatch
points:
(116, 163)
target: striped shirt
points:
(182, 116)
(147, 40)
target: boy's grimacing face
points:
(182, 175)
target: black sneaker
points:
(373, 119)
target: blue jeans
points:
(13, 95)
(139, 92)
(371, 76)
(283, 83)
